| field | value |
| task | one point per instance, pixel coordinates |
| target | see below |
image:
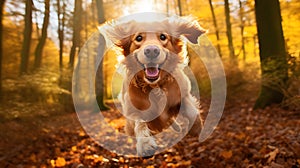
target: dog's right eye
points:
(139, 38)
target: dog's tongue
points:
(152, 72)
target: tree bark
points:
(179, 7)
(94, 10)
(167, 6)
(229, 32)
(272, 52)
(100, 74)
(86, 21)
(77, 25)
(61, 15)
(37, 26)
(27, 37)
(43, 38)
(216, 27)
(100, 11)
(242, 29)
(1, 41)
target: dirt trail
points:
(243, 138)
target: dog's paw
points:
(176, 127)
(146, 147)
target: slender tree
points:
(272, 52)
(242, 28)
(61, 15)
(86, 21)
(179, 7)
(167, 6)
(77, 26)
(36, 25)
(27, 37)
(100, 11)
(1, 40)
(229, 32)
(43, 38)
(94, 10)
(100, 75)
(216, 26)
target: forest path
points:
(243, 138)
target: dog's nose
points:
(151, 51)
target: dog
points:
(155, 86)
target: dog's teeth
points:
(151, 65)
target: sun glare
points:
(143, 6)
(146, 6)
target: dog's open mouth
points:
(152, 72)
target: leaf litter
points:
(35, 134)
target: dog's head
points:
(153, 49)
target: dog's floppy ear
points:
(118, 33)
(187, 27)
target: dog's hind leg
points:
(191, 112)
(129, 127)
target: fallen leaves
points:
(246, 139)
(59, 162)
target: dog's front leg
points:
(146, 145)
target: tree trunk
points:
(167, 6)
(100, 74)
(61, 15)
(1, 41)
(179, 7)
(272, 52)
(216, 27)
(94, 10)
(100, 11)
(37, 26)
(27, 37)
(86, 21)
(42, 40)
(76, 31)
(242, 29)
(229, 33)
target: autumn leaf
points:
(121, 160)
(60, 162)
(184, 163)
(240, 136)
(82, 133)
(33, 157)
(272, 155)
(150, 166)
(52, 162)
(74, 148)
(226, 154)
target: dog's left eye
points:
(163, 37)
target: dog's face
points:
(154, 49)
(151, 50)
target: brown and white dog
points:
(155, 86)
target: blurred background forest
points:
(40, 41)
